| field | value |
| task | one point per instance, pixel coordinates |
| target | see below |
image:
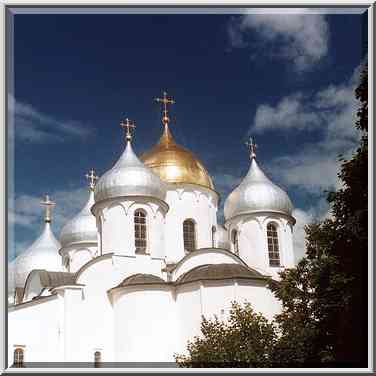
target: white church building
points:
(134, 272)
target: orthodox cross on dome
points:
(165, 101)
(252, 147)
(92, 178)
(48, 208)
(128, 125)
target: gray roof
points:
(141, 279)
(55, 279)
(218, 272)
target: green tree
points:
(350, 210)
(245, 340)
(312, 295)
(324, 298)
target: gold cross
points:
(92, 179)
(252, 147)
(48, 207)
(165, 101)
(128, 125)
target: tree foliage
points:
(245, 340)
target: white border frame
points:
(210, 4)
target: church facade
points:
(134, 272)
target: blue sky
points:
(287, 80)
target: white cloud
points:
(35, 126)
(332, 112)
(300, 37)
(290, 112)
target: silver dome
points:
(256, 193)
(82, 228)
(42, 254)
(129, 177)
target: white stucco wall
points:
(78, 254)
(203, 257)
(253, 245)
(117, 226)
(36, 325)
(145, 322)
(189, 202)
(189, 311)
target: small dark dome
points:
(218, 272)
(141, 279)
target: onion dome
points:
(129, 177)
(42, 254)
(256, 193)
(82, 228)
(172, 162)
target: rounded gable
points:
(211, 272)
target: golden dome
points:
(175, 164)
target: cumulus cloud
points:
(35, 126)
(299, 36)
(293, 111)
(331, 111)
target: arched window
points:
(18, 357)
(189, 235)
(97, 359)
(273, 246)
(235, 241)
(213, 231)
(140, 231)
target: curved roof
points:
(176, 164)
(141, 279)
(48, 280)
(200, 251)
(218, 272)
(55, 279)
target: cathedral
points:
(135, 270)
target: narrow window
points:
(235, 241)
(18, 357)
(189, 235)
(140, 231)
(97, 359)
(214, 230)
(273, 246)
